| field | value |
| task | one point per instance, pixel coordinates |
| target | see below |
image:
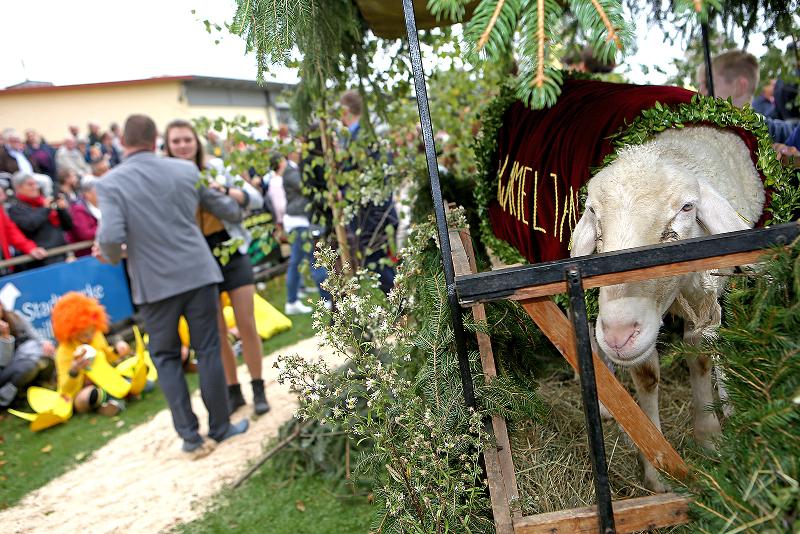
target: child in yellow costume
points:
(89, 382)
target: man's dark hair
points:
(275, 159)
(140, 130)
(352, 101)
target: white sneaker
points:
(296, 308)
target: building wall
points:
(51, 111)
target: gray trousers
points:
(199, 306)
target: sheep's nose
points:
(619, 334)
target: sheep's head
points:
(644, 199)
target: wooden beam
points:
(630, 515)
(555, 325)
(647, 273)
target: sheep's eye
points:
(687, 207)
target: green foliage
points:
(498, 42)
(751, 484)
(400, 401)
(448, 9)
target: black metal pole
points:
(707, 56)
(591, 408)
(438, 204)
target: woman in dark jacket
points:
(41, 221)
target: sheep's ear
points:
(584, 235)
(716, 213)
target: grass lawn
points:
(273, 502)
(29, 460)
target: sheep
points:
(684, 183)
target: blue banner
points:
(33, 293)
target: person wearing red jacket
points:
(12, 236)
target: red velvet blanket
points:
(545, 156)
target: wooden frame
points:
(630, 515)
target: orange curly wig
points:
(75, 312)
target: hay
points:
(552, 459)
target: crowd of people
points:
(147, 199)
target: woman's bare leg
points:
(243, 310)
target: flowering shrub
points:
(400, 397)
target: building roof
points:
(206, 81)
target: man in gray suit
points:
(149, 205)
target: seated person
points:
(25, 357)
(80, 320)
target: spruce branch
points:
(612, 33)
(485, 36)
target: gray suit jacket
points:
(149, 203)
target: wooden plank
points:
(630, 515)
(501, 512)
(552, 321)
(508, 471)
(648, 273)
(501, 284)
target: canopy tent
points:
(386, 18)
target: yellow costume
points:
(100, 372)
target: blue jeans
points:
(301, 241)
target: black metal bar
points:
(707, 56)
(591, 408)
(496, 285)
(438, 204)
